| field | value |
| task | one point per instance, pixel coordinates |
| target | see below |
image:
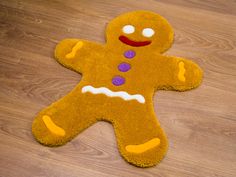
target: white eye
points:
(128, 29)
(148, 32)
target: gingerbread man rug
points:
(119, 79)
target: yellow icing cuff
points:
(143, 147)
(77, 46)
(181, 73)
(53, 127)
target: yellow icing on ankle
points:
(143, 147)
(181, 73)
(53, 127)
(77, 46)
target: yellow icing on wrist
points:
(77, 46)
(143, 147)
(53, 127)
(181, 73)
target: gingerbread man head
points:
(141, 29)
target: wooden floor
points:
(200, 124)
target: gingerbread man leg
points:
(140, 138)
(64, 119)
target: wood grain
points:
(200, 124)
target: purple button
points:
(118, 80)
(123, 67)
(129, 54)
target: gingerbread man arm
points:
(76, 53)
(178, 74)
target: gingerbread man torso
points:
(122, 71)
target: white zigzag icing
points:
(124, 95)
